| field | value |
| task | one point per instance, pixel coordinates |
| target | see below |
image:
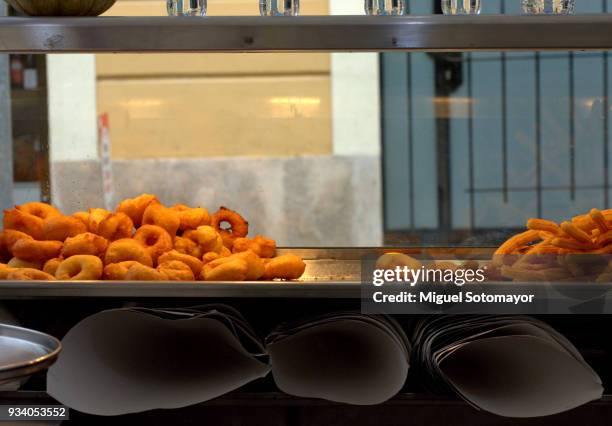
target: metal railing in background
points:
(517, 135)
(6, 135)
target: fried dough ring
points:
(51, 265)
(191, 234)
(267, 246)
(158, 215)
(116, 226)
(83, 217)
(225, 269)
(58, 228)
(118, 271)
(16, 262)
(255, 265)
(154, 239)
(140, 272)
(23, 222)
(227, 238)
(5, 270)
(175, 270)
(96, 216)
(238, 226)
(194, 263)
(29, 274)
(81, 267)
(208, 239)
(191, 218)
(261, 246)
(9, 237)
(127, 249)
(86, 243)
(187, 246)
(286, 267)
(210, 256)
(39, 251)
(41, 210)
(135, 207)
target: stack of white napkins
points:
(513, 366)
(130, 360)
(344, 357)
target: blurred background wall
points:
(291, 140)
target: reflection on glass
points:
(279, 7)
(461, 7)
(186, 7)
(561, 7)
(385, 7)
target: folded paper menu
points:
(512, 366)
(131, 360)
(345, 357)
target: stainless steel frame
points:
(6, 134)
(24, 290)
(316, 33)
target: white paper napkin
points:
(125, 361)
(350, 358)
(513, 366)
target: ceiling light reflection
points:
(294, 101)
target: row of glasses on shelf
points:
(376, 7)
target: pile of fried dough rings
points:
(580, 249)
(143, 240)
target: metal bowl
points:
(61, 7)
(24, 352)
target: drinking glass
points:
(279, 7)
(386, 7)
(461, 7)
(186, 7)
(552, 7)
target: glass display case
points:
(475, 142)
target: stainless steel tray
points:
(134, 289)
(330, 273)
(24, 352)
